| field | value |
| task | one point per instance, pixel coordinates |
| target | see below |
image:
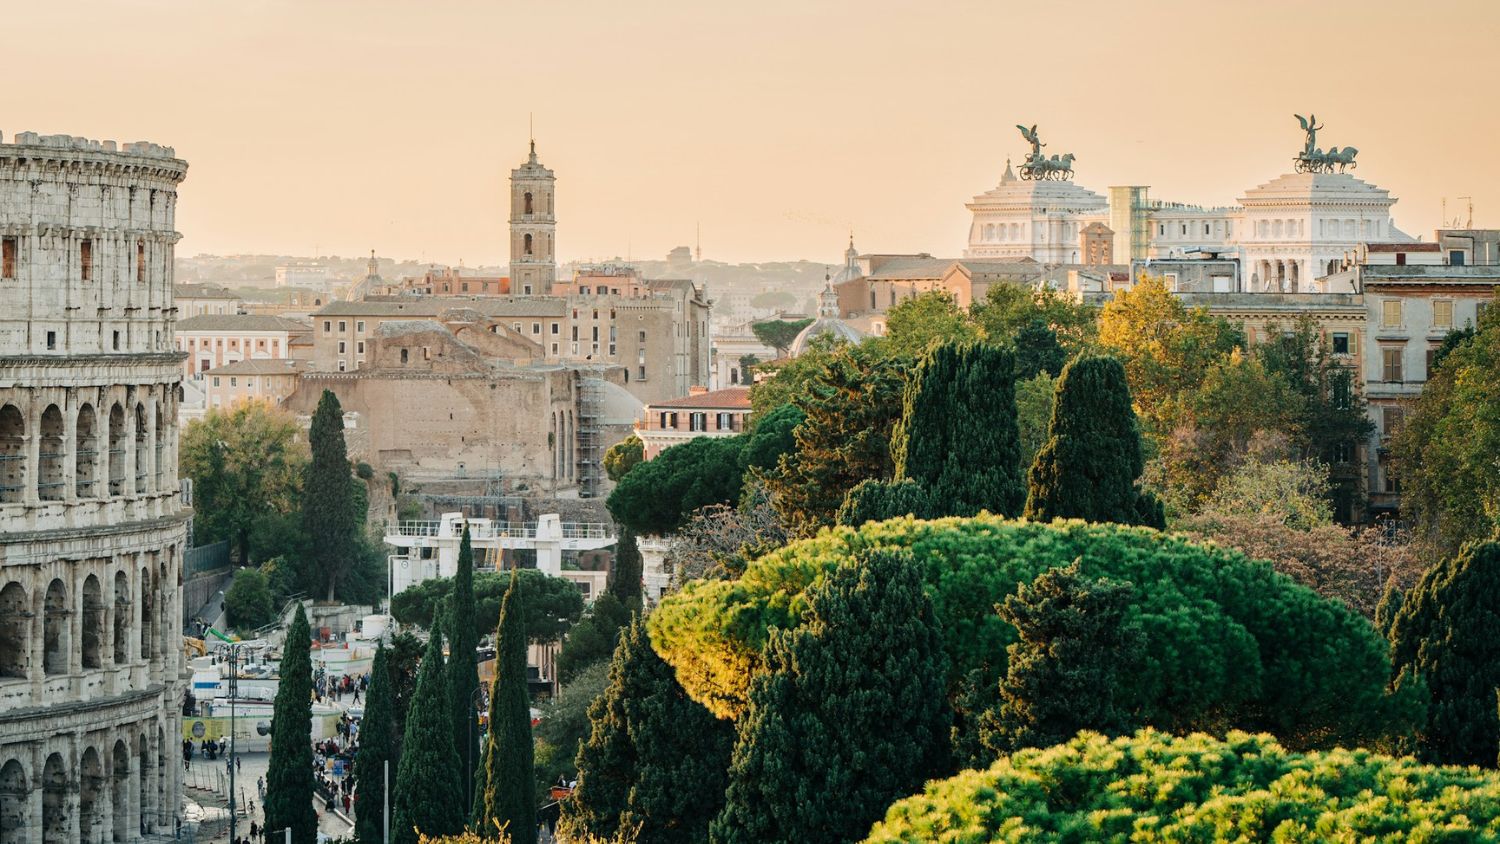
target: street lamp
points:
(234, 687)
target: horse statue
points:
(1342, 158)
(1314, 160)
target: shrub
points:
(1154, 787)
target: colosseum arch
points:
(142, 448)
(55, 801)
(148, 586)
(50, 485)
(92, 622)
(122, 618)
(14, 796)
(90, 791)
(12, 455)
(15, 632)
(86, 453)
(55, 629)
(117, 450)
(119, 796)
(160, 451)
(145, 774)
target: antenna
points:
(1470, 223)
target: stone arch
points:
(86, 453)
(92, 622)
(146, 772)
(122, 618)
(90, 795)
(55, 628)
(55, 801)
(117, 450)
(160, 451)
(15, 632)
(142, 448)
(119, 796)
(14, 797)
(52, 454)
(526, 198)
(12, 455)
(148, 613)
(526, 244)
(162, 818)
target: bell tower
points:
(533, 228)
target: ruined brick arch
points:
(12, 455)
(160, 451)
(15, 632)
(14, 795)
(148, 586)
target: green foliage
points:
(428, 796)
(876, 501)
(593, 639)
(246, 465)
(1063, 672)
(248, 603)
(289, 779)
(848, 715)
(1034, 414)
(1445, 453)
(957, 436)
(791, 375)
(625, 575)
(1444, 635)
(329, 517)
(656, 496)
(1227, 642)
(653, 761)
(623, 456)
(546, 599)
(377, 746)
(1009, 310)
(1089, 465)
(747, 368)
(851, 405)
(564, 725)
(364, 471)
(1390, 604)
(926, 320)
(772, 436)
(508, 799)
(1292, 493)
(402, 664)
(463, 666)
(779, 333)
(1038, 351)
(1156, 787)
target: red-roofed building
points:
(701, 413)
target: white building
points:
(92, 529)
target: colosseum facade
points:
(92, 529)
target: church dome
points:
(827, 324)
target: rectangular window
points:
(1341, 342)
(596, 334)
(575, 333)
(359, 347)
(343, 326)
(327, 326)
(1390, 313)
(405, 355)
(8, 248)
(1442, 313)
(1428, 368)
(698, 422)
(1392, 483)
(341, 366)
(86, 260)
(664, 417)
(726, 421)
(1391, 420)
(117, 340)
(555, 329)
(343, 347)
(466, 287)
(1456, 258)
(1343, 452)
(536, 328)
(140, 260)
(216, 380)
(516, 327)
(554, 348)
(359, 326)
(234, 381)
(640, 374)
(1391, 360)
(643, 336)
(51, 340)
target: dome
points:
(617, 406)
(834, 327)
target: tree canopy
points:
(329, 516)
(656, 496)
(553, 604)
(246, 464)
(289, 779)
(623, 456)
(1197, 788)
(428, 794)
(779, 333)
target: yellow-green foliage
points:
(1228, 642)
(1155, 787)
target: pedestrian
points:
(237, 765)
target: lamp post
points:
(234, 687)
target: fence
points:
(205, 558)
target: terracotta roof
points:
(733, 398)
(1402, 247)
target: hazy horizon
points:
(340, 127)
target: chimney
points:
(697, 390)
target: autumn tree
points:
(925, 320)
(623, 456)
(246, 465)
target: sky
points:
(335, 127)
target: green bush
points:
(1153, 787)
(248, 602)
(1228, 642)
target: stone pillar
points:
(70, 446)
(133, 798)
(33, 449)
(32, 833)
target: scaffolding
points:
(590, 468)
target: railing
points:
(503, 530)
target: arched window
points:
(12, 455)
(86, 454)
(527, 197)
(13, 800)
(148, 615)
(92, 622)
(120, 791)
(50, 485)
(54, 800)
(122, 618)
(91, 780)
(117, 450)
(15, 633)
(160, 452)
(527, 244)
(55, 629)
(142, 449)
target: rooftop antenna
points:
(1470, 223)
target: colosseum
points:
(92, 529)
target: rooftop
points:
(263, 366)
(240, 322)
(732, 398)
(201, 291)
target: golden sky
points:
(779, 125)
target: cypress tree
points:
(463, 667)
(289, 780)
(377, 746)
(655, 761)
(958, 435)
(1088, 467)
(625, 576)
(1390, 604)
(875, 501)
(428, 794)
(1444, 634)
(328, 514)
(508, 797)
(849, 714)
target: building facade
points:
(533, 227)
(204, 299)
(702, 413)
(212, 341)
(257, 379)
(92, 529)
